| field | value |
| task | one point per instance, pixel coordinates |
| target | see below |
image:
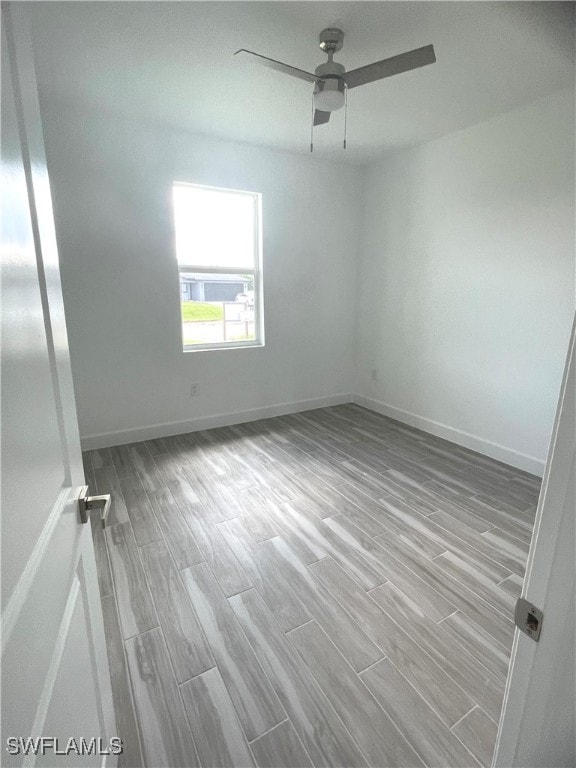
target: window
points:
(218, 247)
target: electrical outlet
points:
(194, 390)
(374, 374)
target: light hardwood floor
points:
(330, 588)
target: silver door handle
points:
(87, 503)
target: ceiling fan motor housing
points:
(329, 91)
(331, 39)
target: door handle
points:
(87, 503)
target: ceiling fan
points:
(331, 81)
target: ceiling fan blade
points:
(321, 117)
(404, 62)
(277, 65)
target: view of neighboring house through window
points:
(218, 250)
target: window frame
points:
(256, 271)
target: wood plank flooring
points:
(329, 588)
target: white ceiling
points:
(172, 63)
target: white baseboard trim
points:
(105, 440)
(474, 443)
(480, 445)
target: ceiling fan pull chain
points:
(345, 112)
(312, 127)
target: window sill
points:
(224, 345)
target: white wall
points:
(464, 291)
(467, 287)
(111, 182)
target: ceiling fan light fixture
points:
(329, 94)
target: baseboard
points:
(105, 440)
(496, 451)
(480, 445)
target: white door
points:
(55, 680)
(538, 724)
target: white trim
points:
(479, 444)
(213, 189)
(194, 269)
(104, 440)
(223, 345)
(486, 447)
